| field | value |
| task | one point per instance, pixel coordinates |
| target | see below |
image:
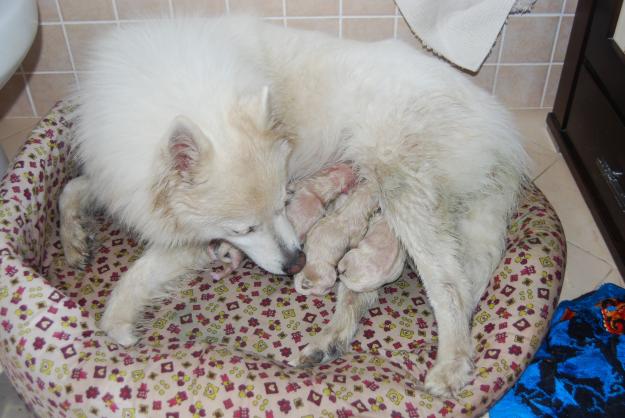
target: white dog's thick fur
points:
(180, 139)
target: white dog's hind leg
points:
(75, 236)
(425, 226)
(142, 282)
(335, 339)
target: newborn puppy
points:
(310, 196)
(377, 260)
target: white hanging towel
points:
(462, 31)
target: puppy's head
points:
(229, 182)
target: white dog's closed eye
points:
(244, 230)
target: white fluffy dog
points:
(189, 130)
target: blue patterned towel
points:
(579, 369)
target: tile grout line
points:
(67, 45)
(499, 55)
(115, 12)
(227, 6)
(33, 108)
(324, 17)
(396, 22)
(553, 53)
(171, 8)
(587, 252)
(341, 19)
(284, 20)
(551, 164)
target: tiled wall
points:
(522, 70)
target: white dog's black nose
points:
(296, 263)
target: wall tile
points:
(142, 9)
(270, 8)
(484, 78)
(87, 10)
(368, 7)
(405, 34)
(547, 6)
(571, 6)
(493, 55)
(46, 89)
(563, 38)
(47, 11)
(529, 39)
(13, 98)
(312, 8)
(521, 85)
(366, 29)
(552, 85)
(199, 7)
(330, 26)
(80, 36)
(48, 51)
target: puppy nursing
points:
(344, 229)
(352, 239)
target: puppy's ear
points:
(186, 142)
(258, 107)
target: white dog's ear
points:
(258, 107)
(184, 141)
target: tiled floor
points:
(589, 263)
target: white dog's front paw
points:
(76, 243)
(447, 377)
(122, 333)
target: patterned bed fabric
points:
(220, 348)
(579, 370)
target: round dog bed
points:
(220, 347)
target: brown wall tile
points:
(47, 11)
(80, 35)
(87, 10)
(493, 55)
(529, 39)
(312, 8)
(547, 6)
(571, 6)
(13, 98)
(521, 85)
(199, 7)
(46, 89)
(368, 7)
(270, 8)
(142, 9)
(48, 51)
(373, 29)
(563, 38)
(484, 78)
(330, 26)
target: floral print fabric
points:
(220, 348)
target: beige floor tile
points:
(13, 143)
(584, 272)
(559, 186)
(541, 158)
(614, 277)
(11, 126)
(533, 126)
